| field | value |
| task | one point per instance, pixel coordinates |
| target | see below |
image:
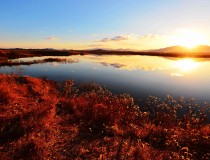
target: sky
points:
(108, 24)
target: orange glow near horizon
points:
(187, 38)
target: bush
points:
(42, 119)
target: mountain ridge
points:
(170, 49)
(178, 49)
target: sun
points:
(189, 38)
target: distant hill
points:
(180, 49)
(202, 51)
(172, 49)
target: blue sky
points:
(80, 24)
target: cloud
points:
(114, 39)
(150, 36)
(132, 36)
(52, 38)
(135, 41)
(119, 38)
(104, 40)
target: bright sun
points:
(189, 38)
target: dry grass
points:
(7, 62)
(41, 119)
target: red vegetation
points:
(41, 119)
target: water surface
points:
(139, 76)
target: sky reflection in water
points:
(138, 75)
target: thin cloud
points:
(52, 38)
(95, 35)
(150, 36)
(119, 38)
(114, 39)
(131, 37)
(135, 41)
(123, 37)
(105, 40)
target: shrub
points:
(42, 119)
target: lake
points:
(139, 76)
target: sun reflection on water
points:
(186, 65)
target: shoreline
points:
(7, 55)
(22, 53)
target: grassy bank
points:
(42, 119)
(10, 63)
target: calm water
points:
(139, 76)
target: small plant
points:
(42, 119)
